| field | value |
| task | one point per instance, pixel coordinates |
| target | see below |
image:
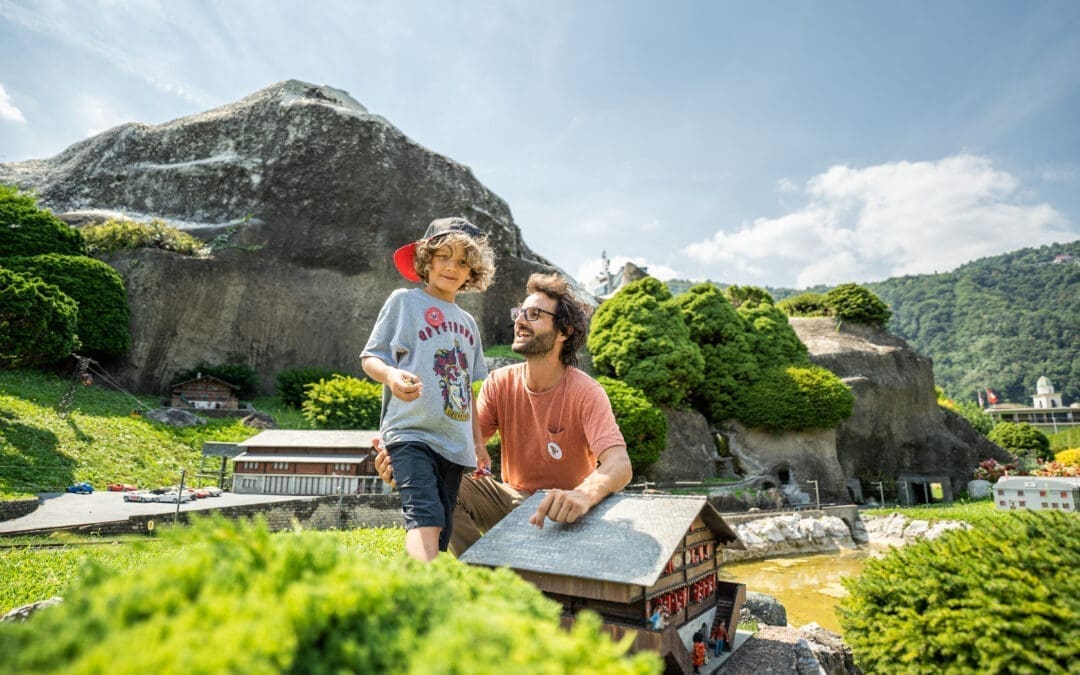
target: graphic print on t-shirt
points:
(452, 367)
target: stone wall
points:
(17, 508)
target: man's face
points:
(536, 337)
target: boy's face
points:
(448, 272)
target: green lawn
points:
(974, 511)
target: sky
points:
(776, 143)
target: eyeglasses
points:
(531, 313)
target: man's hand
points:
(562, 506)
(382, 464)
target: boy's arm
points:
(402, 384)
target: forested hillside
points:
(998, 322)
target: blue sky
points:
(767, 143)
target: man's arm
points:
(566, 506)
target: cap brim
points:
(403, 261)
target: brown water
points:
(808, 586)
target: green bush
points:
(643, 425)
(747, 296)
(975, 416)
(292, 383)
(771, 339)
(236, 598)
(999, 598)
(29, 231)
(855, 304)
(98, 291)
(723, 337)
(793, 398)
(343, 402)
(118, 235)
(237, 374)
(1021, 439)
(639, 337)
(37, 321)
(804, 304)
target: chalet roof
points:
(624, 539)
(1052, 482)
(306, 458)
(310, 438)
(206, 377)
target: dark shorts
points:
(428, 484)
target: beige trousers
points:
(480, 504)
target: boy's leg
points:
(416, 469)
(480, 504)
(422, 543)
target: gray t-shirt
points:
(440, 343)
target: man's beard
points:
(539, 343)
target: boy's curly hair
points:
(571, 314)
(478, 254)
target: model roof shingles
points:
(304, 438)
(624, 539)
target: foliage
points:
(1070, 457)
(975, 512)
(852, 303)
(96, 288)
(1021, 438)
(502, 352)
(804, 304)
(771, 339)
(748, 296)
(643, 425)
(292, 383)
(975, 416)
(305, 603)
(118, 235)
(29, 230)
(37, 321)
(794, 398)
(343, 402)
(1063, 440)
(639, 337)
(1000, 322)
(1056, 469)
(722, 335)
(99, 441)
(997, 598)
(991, 470)
(237, 374)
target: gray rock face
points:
(26, 611)
(312, 194)
(176, 417)
(763, 609)
(690, 453)
(896, 426)
(810, 650)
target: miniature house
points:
(305, 462)
(205, 392)
(630, 555)
(1038, 493)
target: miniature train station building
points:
(1038, 493)
(205, 392)
(628, 556)
(307, 462)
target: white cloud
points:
(8, 110)
(886, 220)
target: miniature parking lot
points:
(60, 509)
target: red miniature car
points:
(122, 487)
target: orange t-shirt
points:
(550, 439)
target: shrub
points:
(96, 288)
(975, 416)
(236, 598)
(804, 304)
(793, 398)
(855, 304)
(37, 321)
(1056, 469)
(991, 470)
(639, 337)
(1021, 438)
(747, 296)
(343, 402)
(1070, 457)
(997, 598)
(29, 231)
(771, 339)
(117, 235)
(643, 425)
(237, 374)
(722, 335)
(292, 383)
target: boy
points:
(426, 352)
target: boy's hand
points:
(404, 385)
(483, 463)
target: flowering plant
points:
(1056, 469)
(991, 470)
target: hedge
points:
(29, 230)
(793, 398)
(343, 402)
(37, 322)
(643, 425)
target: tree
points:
(854, 304)
(804, 304)
(748, 296)
(30, 231)
(1021, 439)
(771, 339)
(37, 322)
(639, 337)
(793, 398)
(643, 425)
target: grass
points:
(503, 352)
(99, 441)
(1063, 440)
(975, 512)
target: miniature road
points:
(61, 509)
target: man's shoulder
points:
(579, 378)
(508, 373)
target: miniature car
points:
(122, 487)
(174, 497)
(140, 496)
(213, 491)
(200, 493)
(82, 488)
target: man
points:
(555, 422)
